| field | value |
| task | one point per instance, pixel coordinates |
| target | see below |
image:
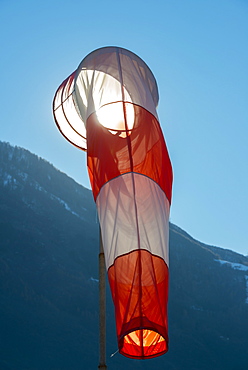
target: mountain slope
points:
(49, 282)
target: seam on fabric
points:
(129, 145)
(62, 102)
(135, 250)
(127, 173)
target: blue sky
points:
(198, 52)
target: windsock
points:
(108, 108)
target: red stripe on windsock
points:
(108, 154)
(139, 287)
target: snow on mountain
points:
(235, 266)
(246, 280)
(239, 267)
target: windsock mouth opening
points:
(108, 82)
(143, 344)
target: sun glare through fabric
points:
(118, 117)
(108, 99)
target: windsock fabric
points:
(66, 116)
(115, 94)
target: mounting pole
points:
(102, 307)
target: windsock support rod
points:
(102, 307)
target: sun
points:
(118, 117)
